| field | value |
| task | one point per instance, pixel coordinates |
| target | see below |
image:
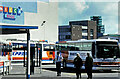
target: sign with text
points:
(10, 13)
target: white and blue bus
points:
(105, 52)
(42, 47)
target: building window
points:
(91, 37)
(84, 37)
(73, 27)
(68, 37)
(84, 27)
(84, 31)
(91, 33)
(73, 34)
(62, 37)
(84, 34)
(64, 30)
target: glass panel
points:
(107, 49)
(79, 45)
(87, 46)
(48, 47)
(74, 46)
(84, 31)
(107, 52)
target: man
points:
(89, 65)
(78, 64)
(58, 63)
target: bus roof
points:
(93, 40)
(31, 41)
(25, 41)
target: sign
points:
(14, 10)
(8, 16)
(1, 8)
(10, 13)
(10, 9)
(5, 9)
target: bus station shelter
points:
(18, 29)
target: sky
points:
(76, 11)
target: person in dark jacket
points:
(89, 65)
(58, 64)
(78, 64)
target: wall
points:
(92, 25)
(45, 12)
(76, 32)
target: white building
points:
(34, 14)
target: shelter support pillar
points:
(28, 54)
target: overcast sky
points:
(69, 11)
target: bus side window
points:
(77, 49)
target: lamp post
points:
(41, 52)
(44, 28)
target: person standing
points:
(78, 64)
(58, 63)
(89, 65)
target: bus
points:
(105, 52)
(42, 48)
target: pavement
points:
(49, 72)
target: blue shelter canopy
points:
(15, 29)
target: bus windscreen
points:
(107, 50)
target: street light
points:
(44, 28)
(43, 23)
(44, 39)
